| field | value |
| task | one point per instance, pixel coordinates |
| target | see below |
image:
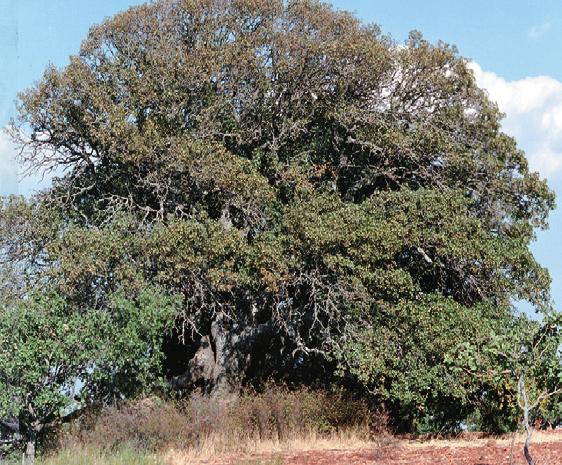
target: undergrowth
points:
(205, 426)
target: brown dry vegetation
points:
(466, 450)
(276, 427)
(204, 427)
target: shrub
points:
(277, 414)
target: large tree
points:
(328, 202)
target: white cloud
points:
(533, 108)
(520, 96)
(538, 30)
(12, 180)
(8, 166)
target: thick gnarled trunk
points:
(223, 357)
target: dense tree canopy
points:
(329, 204)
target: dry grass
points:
(275, 453)
(251, 429)
(479, 439)
(214, 448)
(199, 428)
(217, 449)
(90, 456)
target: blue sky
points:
(514, 46)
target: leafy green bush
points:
(56, 359)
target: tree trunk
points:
(524, 404)
(528, 457)
(29, 454)
(220, 363)
(231, 357)
(512, 447)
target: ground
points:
(546, 450)
(485, 454)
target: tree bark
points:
(512, 447)
(224, 355)
(528, 457)
(524, 404)
(30, 446)
(231, 357)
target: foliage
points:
(55, 359)
(524, 358)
